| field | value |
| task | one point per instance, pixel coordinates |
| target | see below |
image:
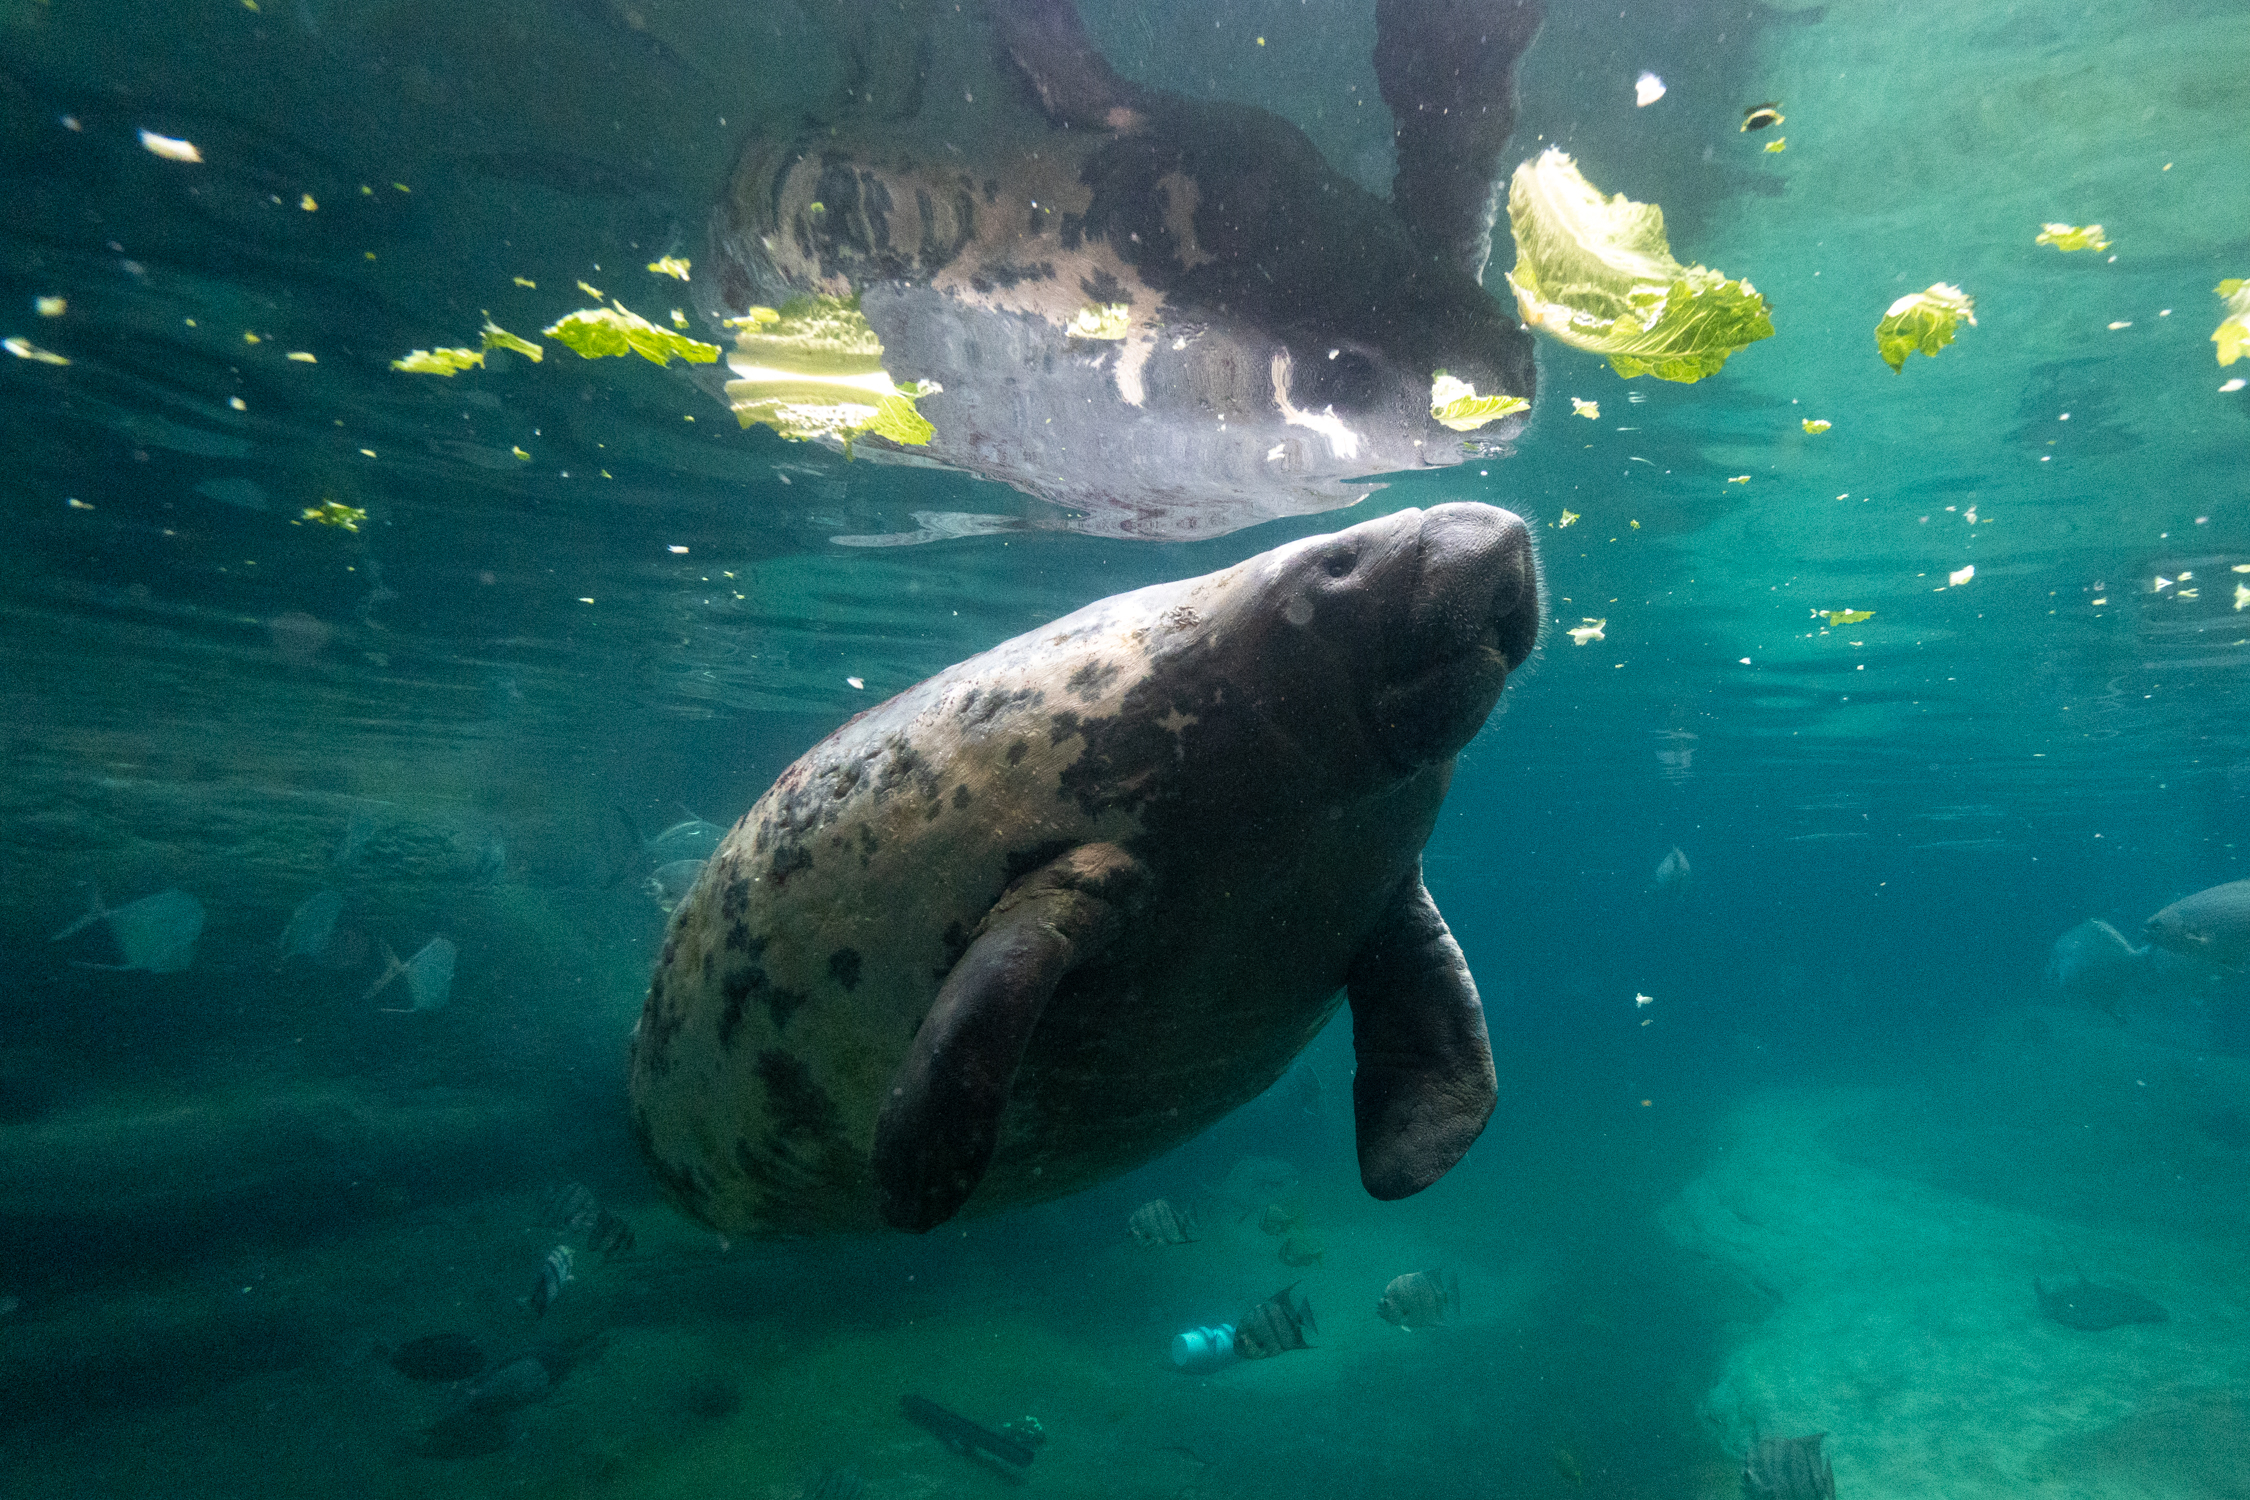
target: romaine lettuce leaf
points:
(2233, 333)
(1598, 274)
(1455, 403)
(814, 368)
(599, 332)
(1924, 321)
(446, 362)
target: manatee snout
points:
(1472, 617)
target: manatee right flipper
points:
(1447, 69)
(941, 1120)
(1075, 84)
(1425, 1083)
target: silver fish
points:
(554, 1275)
(156, 933)
(1420, 1299)
(2213, 925)
(669, 883)
(691, 838)
(1672, 873)
(2093, 960)
(1275, 1325)
(1159, 1223)
(428, 975)
(311, 925)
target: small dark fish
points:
(1275, 1325)
(1763, 116)
(611, 1235)
(1279, 1220)
(2213, 925)
(1420, 1299)
(554, 1275)
(1159, 1223)
(2092, 1307)
(1302, 1250)
(438, 1356)
(962, 1435)
(1787, 1469)
(568, 1205)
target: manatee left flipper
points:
(1425, 1084)
(1447, 69)
(941, 1120)
(1074, 83)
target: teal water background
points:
(221, 1189)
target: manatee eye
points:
(1339, 563)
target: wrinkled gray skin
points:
(1060, 907)
(2212, 925)
(1285, 325)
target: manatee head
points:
(1396, 635)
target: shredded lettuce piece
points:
(600, 332)
(1109, 320)
(2233, 333)
(2068, 237)
(496, 337)
(814, 369)
(335, 513)
(670, 265)
(1922, 320)
(1455, 403)
(446, 362)
(1598, 274)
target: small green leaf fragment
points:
(496, 337)
(446, 362)
(600, 332)
(2233, 333)
(1110, 320)
(670, 265)
(2068, 237)
(336, 513)
(1922, 320)
(1455, 403)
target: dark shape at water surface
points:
(970, 1439)
(1788, 1469)
(2084, 1305)
(438, 1356)
(1168, 314)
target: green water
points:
(1806, 1187)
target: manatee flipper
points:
(1074, 83)
(1447, 69)
(1425, 1084)
(941, 1119)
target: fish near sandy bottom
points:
(1159, 1223)
(2084, 1305)
(1275, 1326)
(2212, 925)
(1091, 270)
(1788, 1469)
(1420, 1299)
(1060, 907)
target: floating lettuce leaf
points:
(2233, 333)
(2067, 237)
(1924, 321)
(1590, 410)
(1110, 320)
(814, 369)
(599, 332)
(446, 362)
(1817, 425)
(496, 337)
(1455, 403)
(336, 513)
(670, 265)
(1846, 616)
(1598, 274)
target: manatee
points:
(1060, 907)
(2212, 925)
(1273, 331)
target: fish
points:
(2092, 1308)
(611, 1235)
(478, 1422)
(690, 838)
(1566, 1464)
(1420, 1299)
(437, 1356)
(1279, 1220)
(1787, 1469)
(568, 1205)
(359, 831)
(2094, 961)
(311, 925)
(1672, 873)
(1763, 116)
(1302, 1250)
(670, 882)
(429, 977)
(1275, 1325)
(554, 1275)
(963, 1436)
(156, 933)
(1254, 1179)
(2213, 925)
(1159, 1223)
